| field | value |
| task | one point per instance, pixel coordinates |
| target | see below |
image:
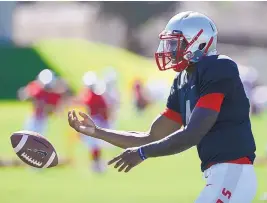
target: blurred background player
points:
(47, 94)
(256, 92)
(141, 100)
(249, 77)
(92, 97)
(259, 98)
(43, 98)
(111, 94)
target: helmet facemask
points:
(174, 51)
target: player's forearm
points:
(200, 123)
(169, 145)
(122, 139)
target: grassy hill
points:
(72, 58)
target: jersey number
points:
(225, 193)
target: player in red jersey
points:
(93, 100)
(48, 94)
(45, 99)
(140, 97)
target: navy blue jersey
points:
(231, 137)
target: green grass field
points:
(172, 179)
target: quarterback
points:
(207, 98)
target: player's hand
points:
(127, 160)
(85, 125)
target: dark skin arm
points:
(200, 123)
(160, 128)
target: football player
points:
(208, 99)
(141, 100)
(112, 94)
(44, 99)
(96, 105)
(47, 94)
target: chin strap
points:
(181, 66)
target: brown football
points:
(34, 149)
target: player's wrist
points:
(141, 153)
(98, 132)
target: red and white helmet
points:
(187, 37)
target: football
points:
(34, 149)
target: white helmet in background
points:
(47, 78)
(91, 81)
(187, 38)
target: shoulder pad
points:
(217, 68)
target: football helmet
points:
(90, 79)
(94, 83)
(47, 78)
(187, 38)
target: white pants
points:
(229, 183)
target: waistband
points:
(243, 160)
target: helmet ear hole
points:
(201, 46)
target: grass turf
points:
(172, 179)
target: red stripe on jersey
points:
(211, 101)
(243, 160)
(173, 115)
